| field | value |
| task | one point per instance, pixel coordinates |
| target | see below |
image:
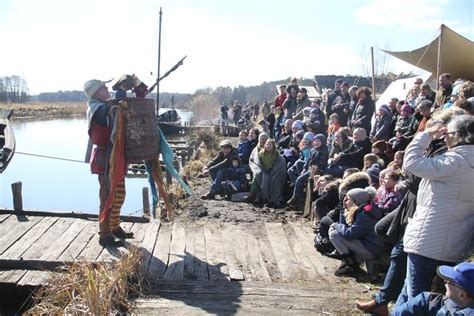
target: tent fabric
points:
(399, 89)
(456, 55)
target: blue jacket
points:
(363, 228)
(319, 157)
(245, 149)
(234, 173)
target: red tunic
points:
(100, 137)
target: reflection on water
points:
(56, 185)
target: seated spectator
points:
(389, 199)
(315, 165)
(426, 93)
(374, 174)
(340, 144)
(334, 126)
(383, 123)
(441, 230)
(269, 171)
(397, 162)
(424, 110)
(233, 180)
(279, 123)
(353, 236)
(372, 159)
(403, 123)
(380, 148)
(253, 136)
(354, 156)
(292, 153)
(305, 147)
(244, 148)
(327, 196)
(216, 166)
(318, 118)
(459, 299)
(290, 133)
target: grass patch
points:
(91, 289)
(45, 109)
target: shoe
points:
(110, 241)
(372, 307)
(333, 255)
(249, 198)
(121, 234)
(208, 196)
(348, 267)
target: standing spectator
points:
(364, 110)
(332, 97)
(395, 111)
(290, 105)
(224, 118)
(266, 110)
(341, 104)
(256, 110)
(236, 112)
(303, 102)
(270, 118)
(280, 99)
(445, 90)
(279, 123)
(293, 85)
(441, 230)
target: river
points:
(57, 185)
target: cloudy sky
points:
(59, 44)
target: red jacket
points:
(280, 99)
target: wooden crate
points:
(142, 138)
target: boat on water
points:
(7, 139)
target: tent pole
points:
(438, 64)
(158, 74)
(373, 71)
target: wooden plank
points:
(16, 232)
(175, 270)
(189, 255)
(29, 238)
(92, 250)
(200, 259)
(64, 240)
(79, 243)
(35, 278)
(148, 244)
(259, 269)
(7, 224)
(160, 256)
(301, 252)
(216, 263)
(234, 236)
(138, 230)
(324, 265)
(286, 261)
(268, 257)
(4, 217)
(47, 239)
(228, 239)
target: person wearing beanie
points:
(354, 237)
(383, 123)
(304, 147)
(374, 173)
(317, 117)
(100, 130)
(297, 126)
(459, 299)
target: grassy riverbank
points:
(42, 110)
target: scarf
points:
(267, 158)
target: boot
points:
(208, 196)
(372, 307)
(250, 197)
(121, 234)
(348, 267)
(110, 241)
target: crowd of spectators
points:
(394, 181)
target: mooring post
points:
(146, 202)
(17, 197)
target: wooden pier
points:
(255, 263)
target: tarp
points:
(399, 89)
(457, 55)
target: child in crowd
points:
(305, 147)
(306, 112)
(279, 123)
(233, 179)
(388, 198)
(317, 117)
(244, 148)
(334, 126)
(374, 175)
(397, 162)
(372, 159)
(383, 122)
(380, 149)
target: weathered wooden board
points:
(15, 232)
(216, 263)
(201, 272)
(175, 270)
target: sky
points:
(59, 44)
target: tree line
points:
(13, 89)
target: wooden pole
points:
(373, 71)
(17, 197)
(439, 64)
(158, 75)
(146, 202)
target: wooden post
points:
(439, 59)
(17, 197)
(146, 202)
(373, 73)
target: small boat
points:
(170, 123)
(7, 139)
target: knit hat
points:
(297, 124)
(407, 108)
(308, 136)
(374, 173)
(321, 138)
(360, 196)
(384, 108)
(381, 145)
(314, 111)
